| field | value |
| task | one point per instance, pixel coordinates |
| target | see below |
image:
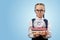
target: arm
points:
(48, 31)
(29, 30)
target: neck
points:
(39, 17)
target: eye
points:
(39, 10)
(42, 10)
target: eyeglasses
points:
(41, 10)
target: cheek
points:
(36, 13)
(42, 13)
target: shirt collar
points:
(39, 18)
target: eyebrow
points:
(39, 9)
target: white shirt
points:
(39, 22)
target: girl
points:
(39, 22)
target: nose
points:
(40, 11)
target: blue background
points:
(16, 14)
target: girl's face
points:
(40, 9)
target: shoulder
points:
(45, 19)
(30, 22)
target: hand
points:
(44, 33)
(36, 34)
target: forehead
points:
(40, 7)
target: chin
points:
(40, 17)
